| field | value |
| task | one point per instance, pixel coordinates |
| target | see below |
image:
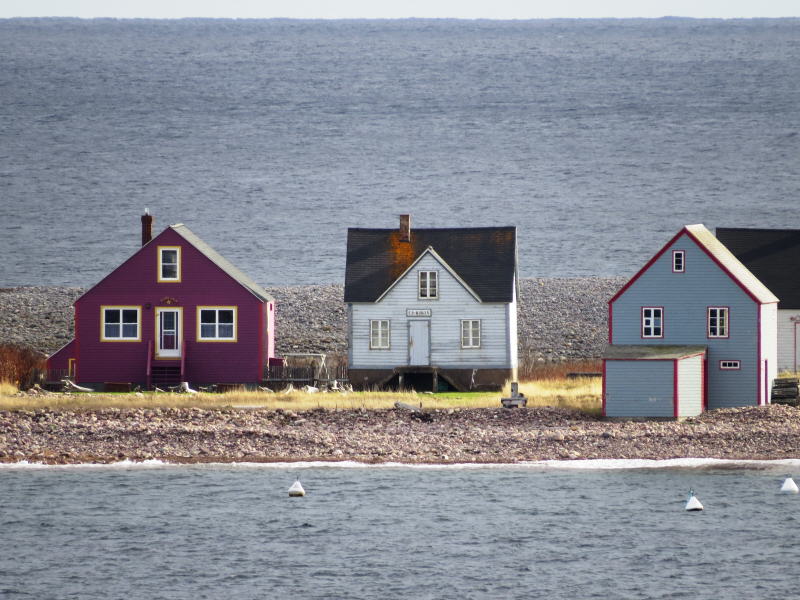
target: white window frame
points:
(717, 313)
(678, 256)
(162, 264)
(121, 337)
(649, 322)
(216, 337)
(469, 339)
(730, 365)
(426, 278)
(380, 334)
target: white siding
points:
(769, 348)
(690, 386)
(512, 327)
(787, 342)
(453, 304)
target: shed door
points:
(419, 342)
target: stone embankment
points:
(559, 318)
(453, 436)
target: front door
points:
(419, 343)
(168, 332)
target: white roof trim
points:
(440, 260)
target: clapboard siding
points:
(640, 388)
(447, 311)
(685, 298)
(787, 340)
(690, 386)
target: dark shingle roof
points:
(773, 255)
(484, 257)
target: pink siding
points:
(202, 283)
(58, 362)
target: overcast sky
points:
(465, 9)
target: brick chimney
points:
(405, 228)
(147, 227)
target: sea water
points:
(583, 529)
(598, 139)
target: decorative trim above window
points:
(470, 333)
(718, 317)
(730, 365)
(678, 261)
(428, 285)
(216, 323)
(652, 322)
(120, 323)
(380, 334)
(169, 264)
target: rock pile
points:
(559, 318)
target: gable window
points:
(379, 334)
(216, 323)
(730, 365)
(169, 263)
(717, 322)
(652, 322)
(428, 285)
(120, 323)
(678, 261)
(470, 333)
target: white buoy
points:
(789, 486)
(296, 490)
(692, 503)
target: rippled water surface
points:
(599, 139)
(490, 532)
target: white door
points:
(419, 342)
(168, 332)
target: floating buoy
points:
(789, 486)
(296, 490)
(692, 503)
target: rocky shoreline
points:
(559, 318)
(377, 436)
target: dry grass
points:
(582, 393)
(7, 389)
(19, 365)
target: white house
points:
(773, 255)
(432, 309)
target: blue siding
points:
(685, 298)
(640, 388)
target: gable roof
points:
(773, 255)
(717, 251)
(221, 261)
(485, 258)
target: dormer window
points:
(428, 285)
(678, 261)
(169, 263)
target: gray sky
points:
(467, 9)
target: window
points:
(169, 263)
(120, 323)
(717, 322)
(678, 261)
(730, 365)
(470, 333)
(652, 322)
(216, 324)
(379, 334)
(428, 285)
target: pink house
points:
(174, 311)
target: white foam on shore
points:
(541, 465)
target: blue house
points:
(694, 329)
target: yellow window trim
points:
(180, 331)
(138, 310)
(180, 270)
(71, 367)
(235, 337)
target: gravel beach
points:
(453, 436)
(559, 318)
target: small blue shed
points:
(654, 381)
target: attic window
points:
(428, 285)
(678, 261)
(169, 263)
